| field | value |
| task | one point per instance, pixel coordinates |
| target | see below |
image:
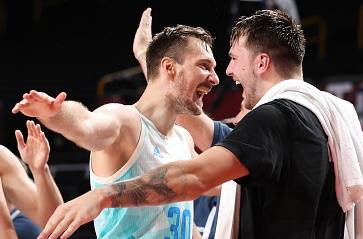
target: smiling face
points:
(195, 77)
(241, 69)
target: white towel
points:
(345, 139)
(226, 210)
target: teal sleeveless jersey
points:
(170, 221)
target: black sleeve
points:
(258, 141)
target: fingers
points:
(34, 130)
(19, 105)
(57, 103)
(60, 226)
(70, 230)
(52, 229)
(31, 128)
(29, 98)
(19, 139)
(146, 18)
(39, 104)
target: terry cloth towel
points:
(226, 210)
(345, 139)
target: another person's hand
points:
(143, 34)
(39, 104)
(35, 151)
(69, 216)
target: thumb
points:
(58, 101)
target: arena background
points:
(84, 47)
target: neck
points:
(274, 79)
(155, 105)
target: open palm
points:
(35, 151)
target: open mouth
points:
(201, 92)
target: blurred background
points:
(84, 47)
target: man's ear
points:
(263, 62)
(167, 65)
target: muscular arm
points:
(176, 181)
(90, 130)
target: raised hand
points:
(35, 151)
(39, 104)
(143, 34)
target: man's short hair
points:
(275, 33)
(172, 42)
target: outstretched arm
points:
(91, 130)
(35, 153)
(142, 38)
(6, 225)
(177, 181)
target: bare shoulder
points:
(126, 117)
(118, 110)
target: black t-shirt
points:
(289, 192)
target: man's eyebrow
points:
(209, 61)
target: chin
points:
(195, 109)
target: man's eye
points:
(204, 66)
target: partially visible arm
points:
(91, 130)
(215, 191)
(17, 186)
(6, 225)
(196, 233)
(142, 38)
(176, 181)
(35, 153)
(201, 128)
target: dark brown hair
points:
(172, 42)
(275, 33)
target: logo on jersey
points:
(157, 153)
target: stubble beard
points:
(187, 106)
(183, 104)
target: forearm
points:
(69, 121)
(48, 195)
(79, 125)
(201, 128)
(164, 185)
(216, 191)
(142, 61)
